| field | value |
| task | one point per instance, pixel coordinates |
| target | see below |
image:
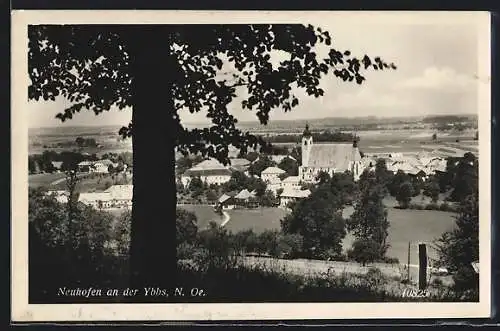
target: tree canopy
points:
(161, 70)
(93, 67)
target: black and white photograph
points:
(218, 165)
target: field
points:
(40, 180)
(412, 226)
(204, 213)
(87, 183)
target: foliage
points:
(319, 221)
(465, 179)
(431, 190)
(364, 251)
(186, 226)
(196, 187)
(100, 67)
(290, 166)
(268, 199)
(459, 247)
(404, 194)
(369, 223)
(399, 178)
(260, 165)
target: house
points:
(279, 158)
(61, 196)
(98, 200)
(116, 196)
(291, 182)
(227, 201)
(292, 195)
(100, 167)
(121, 195)
(57, 165)
(271, 174)
(246, 199)
(328, 157)
(239, 164)
(85, 166)
(209, 171)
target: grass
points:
(405, 226)
(39, 180)
(95, 182)
(258, 220)
(203, 213)
(412, 226)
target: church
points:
(328, 157)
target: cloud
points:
(446, 79)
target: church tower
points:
(307, 142)
(356, 167)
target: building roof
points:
(57, 164)
(224, 198)
(293, 193)
(244, 195)
(291, 179)
(239, 162)
(209, 164)
(336, 156)
(121, 192)
(94, 196)
(207, 172)
(272, 171)
(279, 158)
(105, 162)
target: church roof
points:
(336, 156)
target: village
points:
(284, 187)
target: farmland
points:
(405, 226)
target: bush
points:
(391, 260)
(364, 251)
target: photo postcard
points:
(212, 165)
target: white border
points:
(24, 312)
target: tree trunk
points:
(153, 259)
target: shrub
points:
(364, 251)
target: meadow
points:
(406, 226)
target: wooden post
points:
(408, 265)
(422, 272)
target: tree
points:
(369, 223)
(434, 137)
(458, 248)
(186, 226)
(100, 67)
(252, 156)
(382, 174)
(211, 195)
(399, 178)
(404, 195)
(196, 186)
(323, 177)
(431, 190)
(296, 153)
(290, 166)
(364, 251)
(260, 164)
(80, 141)
(268, 199)
(465, 179)
(318, 219)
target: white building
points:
(291, 183)
(117, 196)
(60, 195)
(330, 158)
(271, 174)
(292, 195)
(209, 171)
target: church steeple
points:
(306, 132)
(355, 139)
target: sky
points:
(436, 74)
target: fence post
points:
(422, 271)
